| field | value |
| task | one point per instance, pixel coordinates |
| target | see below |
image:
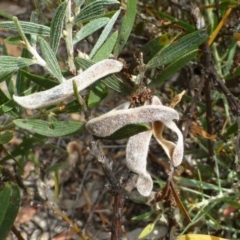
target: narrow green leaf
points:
(57, 26)
(176, 50)
(15, 40)
(27, 27)
(231, 202)
(56, 186)
(224, 5)
(24, 147)
(93, 10)
(232, 129)
(105, 51)
(128, 131)
(196, 184)
(41, 81)
(144, 216)
(78, 97)
(179, 22)
(58, 166)
(5, 138)
(150, 49)
(90, 28)
(126, 26)
(104, 34)
(10, 85)
(50, 129)
(21, 82)
(11, 212)
(51, 59)
(172, 68)
(9, 63)
(5, 195)
(7, 106)
(4, 75)
(233, 75)
(3, 97)
(97, 93)
(147, 230)
(111, 81)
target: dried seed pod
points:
(110, 122)
(173, 151)
(65, 90)
(136, 160)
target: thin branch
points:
(191, 107)
(120, 191)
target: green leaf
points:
(4, 75)
(150, 49)
(7, 106)
(5, 195)
(231, 202)
(27, 27)
(11, 212)
(9, 63)
(179, 22)
(128, 131)
(111, 81)
(104, 34)
(50, 129)
(58, 166)
(57, 26)
(97, 93)
(144, 216)
(93, 10)
(15, 40)
(233, 75)
(41, 81)
(3, 97)
(5, 138)
(196, 184)
(51, 59)
(105, 51)
(232, 129)
(90, 28)
(147, 230)
(24, 147)
(21, 82)
(172, 68)
(224, 5)
(176, 50)
(126, 26)
(78, 97)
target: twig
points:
(67, 220)
(17, 233)
(97, 151)
(190, 109)
(207, 62)
(120, 191)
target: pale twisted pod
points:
(137, 146)
(136, 160)
(110, 122)
(65, 90)
(174, 151)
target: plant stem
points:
(68, 38)
(32, 50)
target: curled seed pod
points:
(65, 90)
(110, 122)
(173, 151)
(136, 160)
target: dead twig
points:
(120, 191)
